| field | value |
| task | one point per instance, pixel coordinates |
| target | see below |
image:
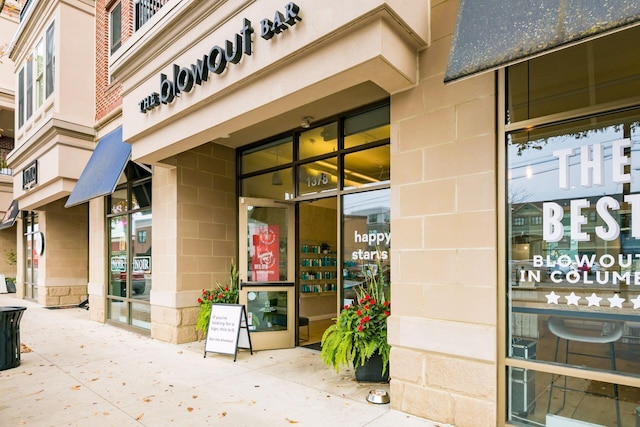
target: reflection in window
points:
(274, 154)
(267, 311)
(596, 72)
(130, 240)
(277, 185)
(368, 167)
(366, 244)
(574, 266)
(367, 127)
(318, 176)
(318, 141)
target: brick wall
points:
(108, 94)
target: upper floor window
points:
(115, 27)
(21, 98)
(145, 9)
(50, 65)
(36, 77)
(39, 58)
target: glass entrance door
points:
(267, 271)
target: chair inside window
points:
(559, 328)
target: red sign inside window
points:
(266, 251)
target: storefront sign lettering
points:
(30, 175)
(373, 238)
(184, 79)
(118, 264)
(591, 173)
(142, 263)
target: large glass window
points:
(130, 242)
(573, 238)
(339, 172)
(349, 153)
(32, 250)
(366, 243)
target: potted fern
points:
(359, 335)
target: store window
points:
(130, 239)
(349, 153)
(32, 251)
(339, 171)
(573, 236)
(366, 239)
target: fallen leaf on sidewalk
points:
(24, 348)
(189, 409)
(222, 415)
(291, 421)
(76, 387)
(139, 417)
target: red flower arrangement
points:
(360, 330)
(221, 294)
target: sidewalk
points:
(83, 373)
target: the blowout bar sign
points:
(216, 60)
(591, 173)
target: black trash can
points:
(10, 336)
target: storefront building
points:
(295, 139)
(53, 139)
(8, 25)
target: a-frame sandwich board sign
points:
(228, 330)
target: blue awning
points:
(491, 34)
(101, 174)
(10, 216)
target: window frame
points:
(21, 97)
(505, 361)
(29, 98)
(115, 15)
(39, 73)
(50, 58)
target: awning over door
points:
(10, 216)
(101, 174)
(490, 34)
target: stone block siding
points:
(61, 295)
(443, 326)
(174, 325)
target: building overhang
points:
(492, 34)
(361, 44)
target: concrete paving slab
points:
(78, 372)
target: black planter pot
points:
(371, 371)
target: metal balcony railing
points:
(145, 9)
